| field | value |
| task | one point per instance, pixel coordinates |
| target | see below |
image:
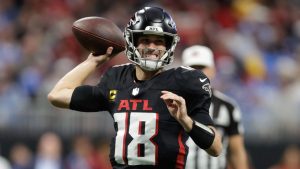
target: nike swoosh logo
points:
(202, 80)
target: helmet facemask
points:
(138, 55)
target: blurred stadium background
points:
(256, 44)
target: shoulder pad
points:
(192, 80)
(117, 74)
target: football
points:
(96, 34)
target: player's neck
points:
(142, 75)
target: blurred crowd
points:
(50, 153)
(255, 43)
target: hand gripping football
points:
(96, 34)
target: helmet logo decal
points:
(134, 20)
(172, 24)
(154, 28)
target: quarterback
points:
(154, 110)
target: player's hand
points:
(99, 59)
(175, 104)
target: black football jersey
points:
(227, 118)
(147, 136)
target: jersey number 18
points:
(142, 128)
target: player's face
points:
(151, 46)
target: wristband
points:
(202, 135)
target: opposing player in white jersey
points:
(225, 114)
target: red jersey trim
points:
(181, 153)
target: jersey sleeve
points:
(88, 99)
(197, 93)
(91, 98)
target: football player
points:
(226, 115)
(154, 110)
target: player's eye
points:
(147, 41)
(144, 41)
(160, 42)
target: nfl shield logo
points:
(135, 91)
